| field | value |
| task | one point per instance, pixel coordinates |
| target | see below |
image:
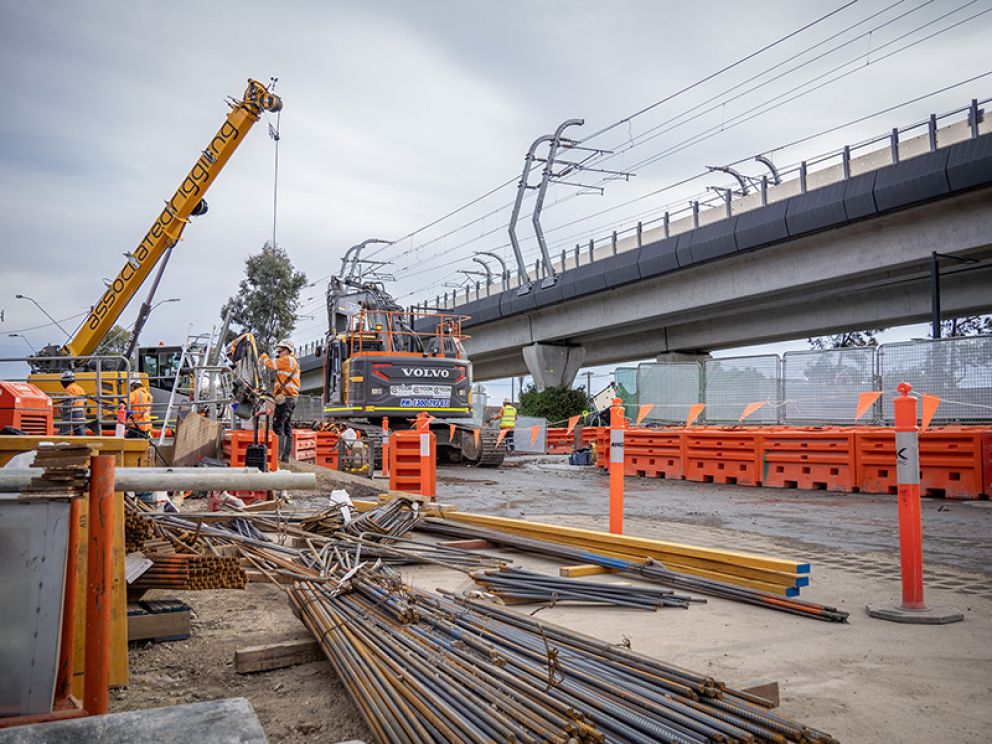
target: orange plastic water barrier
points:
(723, 455)
(953, 462)
(326, 449)
(304, 445)
(814, 458)
(412, 462)
(236, 447)
(655, 453)
(559, 441)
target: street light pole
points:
(935, 287)
(30, 345)
(32, 300)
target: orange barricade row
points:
(814, 458)
(590, 434)
(326, 449)
(304, 445)
(722, 456)
(559, 441)
(236, 447)
(654, 453)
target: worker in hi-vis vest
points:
(508, 420)
(140, 410)
(285, 389)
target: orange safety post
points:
(121, 420)
(912, 609)
(617, 426)
(385, 446)
(99, 578)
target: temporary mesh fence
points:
(671, 387)
(822, 387)
(956, 370)
(733, 382)
(818, 387)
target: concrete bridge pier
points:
(553, 365)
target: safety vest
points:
(140, 403)
(76, 401)
(509, 419)
(287, 374)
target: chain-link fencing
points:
(822, 387)
(671, 388)
(733, 382)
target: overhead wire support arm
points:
(525, 282)
(741, 179)
(550, 275)
(776, 179)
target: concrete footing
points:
(929, 616)
(553, 366)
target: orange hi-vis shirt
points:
(287, 374)
(78, 395)
(140, 403)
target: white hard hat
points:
(68, 376)
(288, 345)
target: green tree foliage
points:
(267, 297)
(970, 325)
(555, 404)
(846, 340)
(115, 342)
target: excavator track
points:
(487, 454)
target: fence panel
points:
(822, 387)
(670, 387)
(957, 370)
(733, 382)
(625, 378)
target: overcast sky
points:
(397, 113)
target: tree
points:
(114, 343)
(267, 297)
(556, 404)
(969, 325)
(846, 340)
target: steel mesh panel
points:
(957, 370)
(671, 387)
(625, 378)
(308, 408)
(733, 382)
(821, 387)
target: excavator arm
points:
(168, 227)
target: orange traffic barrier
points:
(304, 445)
(236, 447)
(814, 458)
(411, 462)
(953, 461)
(559, 441)
(655, 453)
(590, 434)
(326, 449)
(723, 455)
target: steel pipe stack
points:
(190, 572)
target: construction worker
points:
(139, 411)
(507, 420)
(73, 406)
(286, 388)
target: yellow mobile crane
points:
(164, 233)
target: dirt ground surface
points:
(866, 681)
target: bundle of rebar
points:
(427, 668)
(649, 571)
(137, 530)
(326, 522)
(188, 571)
(394, 518)
(515, 585)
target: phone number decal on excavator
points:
(423, 402)
(427, 391)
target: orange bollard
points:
(99, 577)
(617, 426)
(912, 608)
(385, 446)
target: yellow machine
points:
(164, 233)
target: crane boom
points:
(168, 227)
